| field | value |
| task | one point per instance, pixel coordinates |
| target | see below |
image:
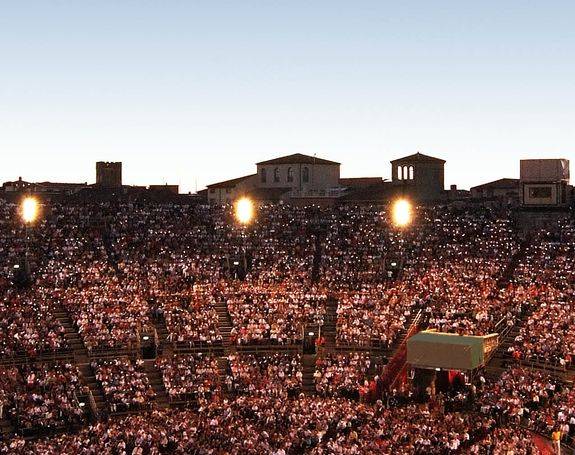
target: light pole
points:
(402, 213)
(244, 210)
(29, 213)
(401, 218)
(244, 213)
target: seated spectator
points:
(125, 384)
(42, 396)
(277, 375)
(341, 374)
(190, 377)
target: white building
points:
(287, 177)
(545, 183)
(301, 175)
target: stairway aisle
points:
(72, 336)
(157, 383)
(317, 255)
(90, 380)
(7, 430)
(509, 271)
(225, 322)
(308, 369)
(223, 370)
(329, 326)
(164, 347)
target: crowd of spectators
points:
(548, 274)
(190, 377)
(531, 399)
(341, 374)
(173, 261)
(125, 384)
(451, 264)
(41, 396)
(116, 269)
(192, 318)
(274, 314)
(276, 375)
(255, 425)
(28, 325)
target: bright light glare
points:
(29, 209)
(244, 210)
(401, 213)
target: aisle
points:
(543, 445)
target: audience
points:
(190, 377)
(118, 269)
(341, 375)
(125, 384)
(41, 396)
(275, 375)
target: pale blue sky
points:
(186, 91)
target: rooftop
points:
(298, 158)
(498, 184)
(230, 183)
(419, 158)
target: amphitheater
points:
(156, 328)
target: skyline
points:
(198, 91)
(387, 177)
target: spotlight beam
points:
(401, 213)
(244, 210)
(29, 210)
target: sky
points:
(194, 92)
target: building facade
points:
(302, 175)
(419, 176)
(288, 177)
(109, 174)
(228, 191)
(499, 189)
(545, 183)
(309, 179)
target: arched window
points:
(276, 174)
(411, 173)
(399, 172)
(305, 174)
(290, 174)
(263, 176)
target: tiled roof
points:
(298, 158)
(419, 158)
(230, 183)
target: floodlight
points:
(29, 209)
(401, 213)
(244, 210)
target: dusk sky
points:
(198, 91)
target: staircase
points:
(223, 370)
(6, 429)
(225, 322)
(308, 369)
(389, 351)
(501, 357)
(162, 331)
(111, 254)
(157, 383)
(95, 389)
(329, 326)
(519, 255)
(72, 336)
(317, 254)
(398, 363)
